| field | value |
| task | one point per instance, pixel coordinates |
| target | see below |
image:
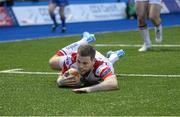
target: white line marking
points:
(32, 73)
(11, 70)
(19, 71)
(129, 45)
(16, 71)
(148, 75)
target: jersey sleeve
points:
(68, 61)
(62, 61)
(103, 71)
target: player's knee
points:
(141, 21)
(51, 9)
(153, 17)
(140, 17)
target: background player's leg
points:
(63, 19)
(142, 11)
(51, 8)
(154, 15)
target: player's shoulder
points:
(100, 66)
(98, 63)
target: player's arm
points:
(109, 83)
(68, 81)
(57, 61)
(69, 78)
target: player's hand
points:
(70, 81)
(66, 81)
(81, 90)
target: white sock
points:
(113, 58)
(74, 46)
(158, 27)
(146, 37)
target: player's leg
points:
(55, 61)
(142, 11)
(63, 19)
(154, 15)
(86, 39)
(62, 4)
(51, 8)
(114, 56)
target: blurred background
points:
(29, 19)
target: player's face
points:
(85, 64)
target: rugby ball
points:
(72, 72)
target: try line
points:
(20, 71)
(131, 45)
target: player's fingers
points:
(69, 77)
(71, 83)
(79, 91)
(69, 80)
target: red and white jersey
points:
(101, 69)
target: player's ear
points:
(93, 60)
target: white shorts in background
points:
(151, 1)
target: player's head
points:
(85, 58)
